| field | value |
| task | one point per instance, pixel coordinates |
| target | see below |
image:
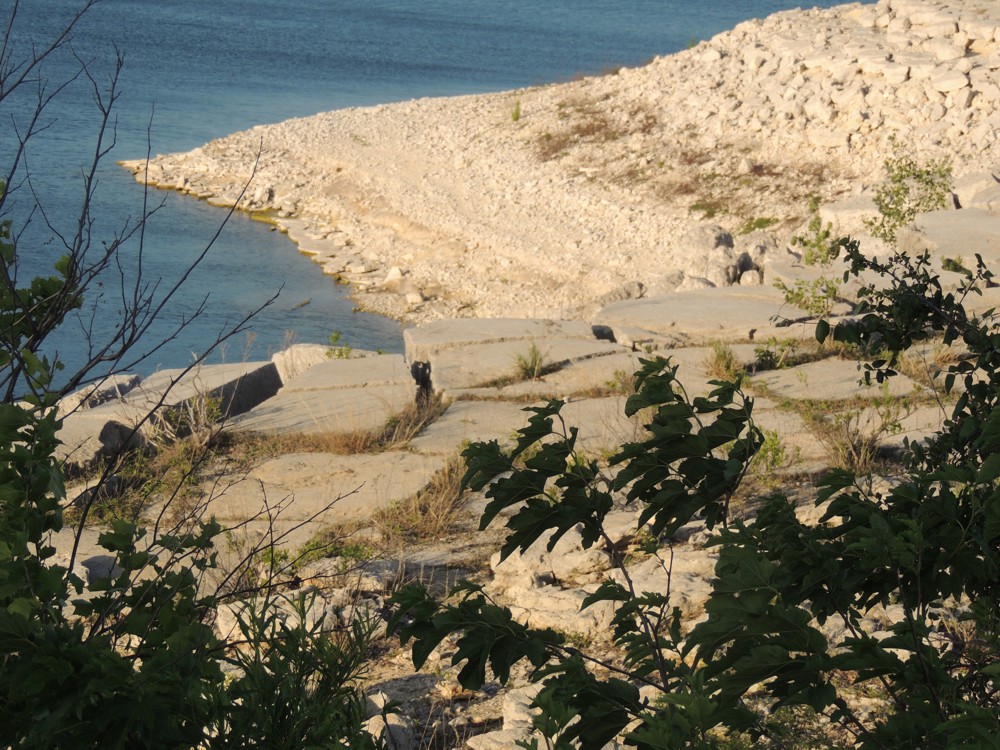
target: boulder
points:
(119, 424)
(707, 251)
(108, 389)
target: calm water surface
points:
(197, 70)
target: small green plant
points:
(621, 383)
(819, 245)
(707, 207)
(338, 350)
(819, 248)
(955, 265)
(516, 114)
(756, 225)
(772, 458)
(911, 188)
(530, 365)
(816, 297)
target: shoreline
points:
(552, 201)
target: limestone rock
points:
(297, 359)
(707, 251)
(98, 393)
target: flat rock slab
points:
(423, 340)
(336, 410)
(476, 365)
(957, 235)
(587, 377)
(337, 396)
(698, 316)
(336, 487)
(298, 358)
(468, 422)
(86, 436)
(386, 369)
(848, 216)
(988, 199)
(91, 396)
(828, 379)
(980, 304)
(917, 426)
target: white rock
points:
(949, 80)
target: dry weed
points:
(247, 449)
(431, 514)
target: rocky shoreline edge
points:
(552, 201)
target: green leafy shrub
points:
(797, 644)
(819, 248)
(911, 188)
(294, 684)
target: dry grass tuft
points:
(721, 363)
(247, 449)
(431, 514)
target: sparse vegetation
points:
(532, 364)
(721, 363)
(775, 354)
(911, 188)
(708, 208)
(431, 514)
(338, 350)
(796, 647)
(771, 460)
(590, 123)
(854, 434)
(955, 265)
(819, 248)
(758, 224)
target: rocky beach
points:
(552, 201)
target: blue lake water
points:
(197, 70)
